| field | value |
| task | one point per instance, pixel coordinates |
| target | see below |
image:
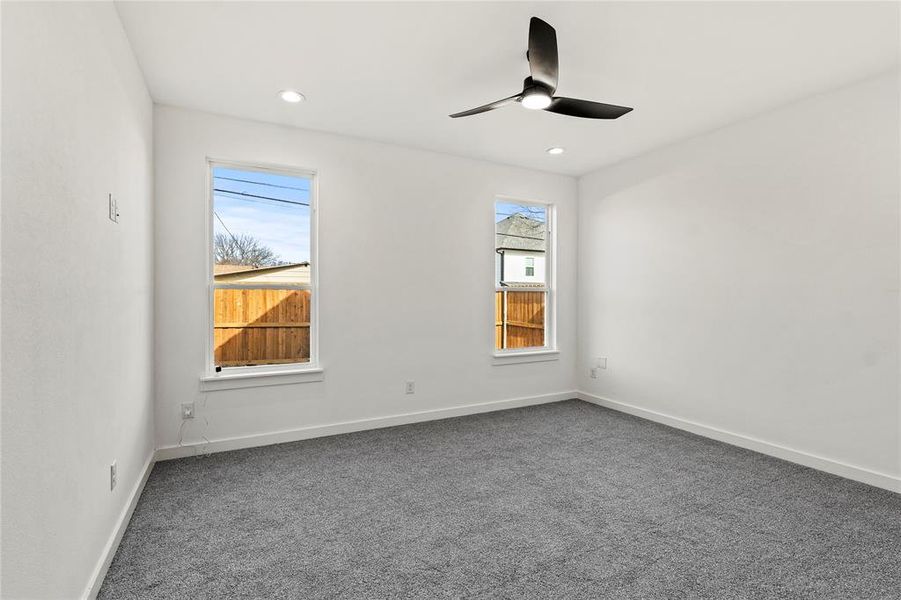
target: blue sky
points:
(284, 227)
(503, 210)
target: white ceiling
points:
(392, 72)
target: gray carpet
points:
(564, 500)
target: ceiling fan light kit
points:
(535, 96)
(538, 90)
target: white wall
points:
(748, 279)
(386, 316)
(76, 299)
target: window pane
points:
(254, 326)
(520, 275)
(260, 220)
(261, 240)
(525, 319)
(520, 244)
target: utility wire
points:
(226, 227)
(532, 217)
(284, 187)
(263, 197)
(525, 237)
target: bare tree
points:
(243, 249)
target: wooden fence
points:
(524, 319)
(272, 326)
(261, 326)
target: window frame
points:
(246, 374)
(533, 353)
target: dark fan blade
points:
(543, 53)
(586, 108)
(486, 107)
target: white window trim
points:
(274, 376)
(525, 355)
(262, 375)
(549, 351)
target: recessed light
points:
(555, 150)
(292, 96)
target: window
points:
(263, 275)
(523, 253)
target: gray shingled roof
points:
(519, 232)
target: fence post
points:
(504, 336)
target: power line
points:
(226, 227)
(284, 187)
(263, 197)
(520, 214)
(525, 237)
(531, 217)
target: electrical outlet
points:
(594, 372)
(187, 410)
(410, 387)
(113, 476)
(601, 362)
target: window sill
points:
(529, 356)
(231, 381)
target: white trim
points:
(109, 550)
(253, 370)
(228, 380)
(303, 433)
(549, 287)
(835, 467)
(263, 286)
(313, 286)
(513, 357)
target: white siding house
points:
(520, 251)
(523, 266)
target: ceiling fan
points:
(538, 90)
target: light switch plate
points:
(113, 209)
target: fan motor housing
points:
(530, 84)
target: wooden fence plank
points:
(261, 326)
(524, 319)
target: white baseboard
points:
(304, 433)
(875, 478)
(109, 551)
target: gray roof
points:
(519, 232)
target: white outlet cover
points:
(601, 362)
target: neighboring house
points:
(292, 273)
(520, 246)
